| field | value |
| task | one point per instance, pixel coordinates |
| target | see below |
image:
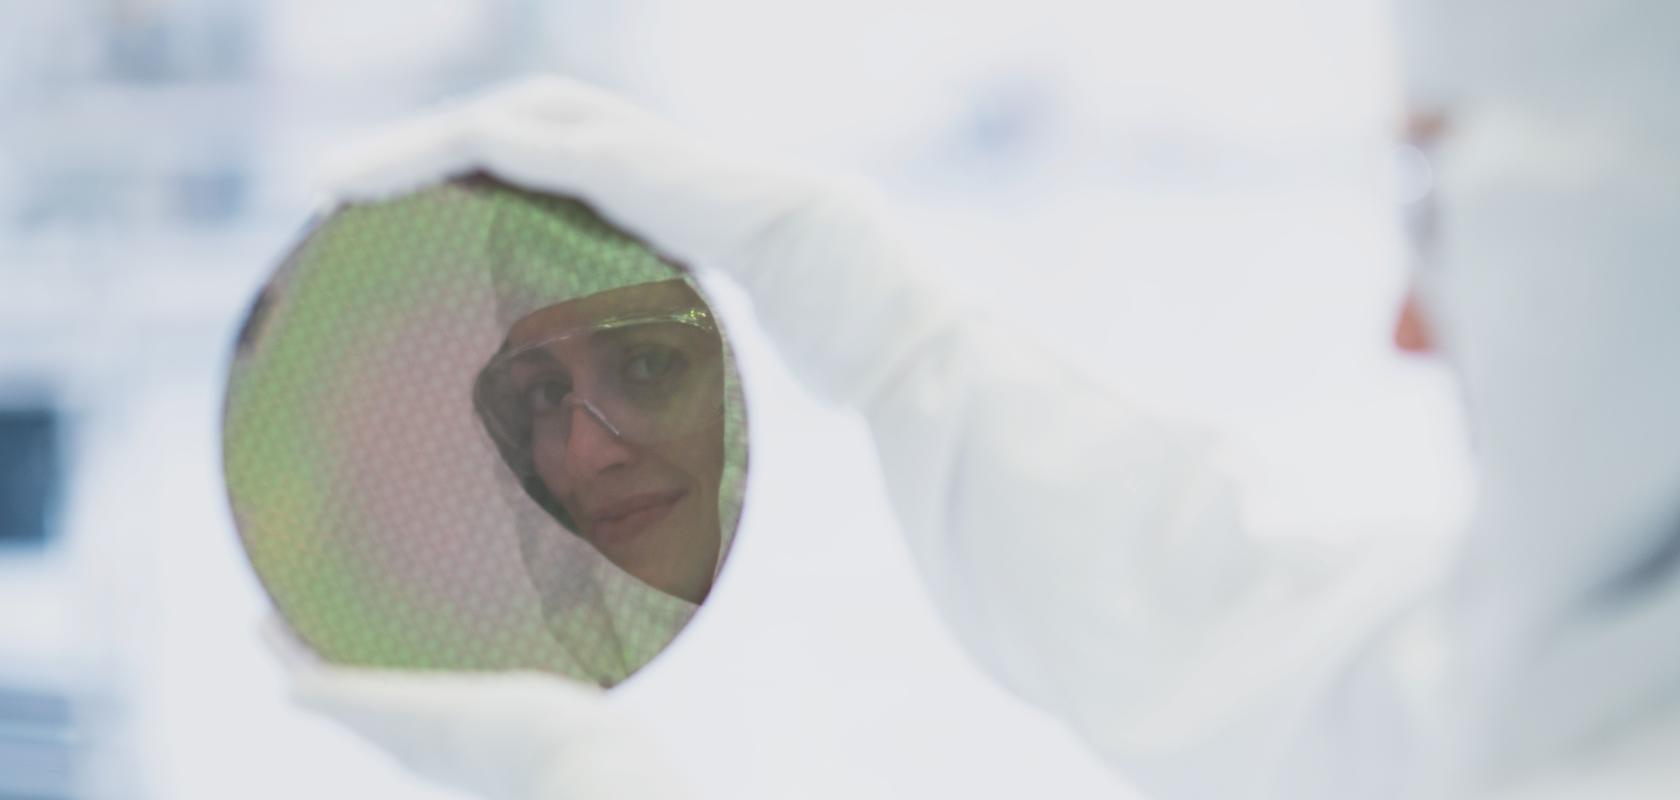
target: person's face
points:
(1413, 332)
(626, 428)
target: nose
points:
(592, 445)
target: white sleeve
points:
(1090, 557)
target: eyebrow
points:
(535, 356)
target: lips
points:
(629, 516)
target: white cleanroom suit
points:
(1091, 558)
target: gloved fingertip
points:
(358, 173)
(338, 691)
(399, 159)
(284, 645)
(310, 682)
(551, 96)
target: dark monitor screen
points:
(30, 474)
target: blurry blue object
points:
(212, 197)
(31, 470)
(178, 41)
(38, 745)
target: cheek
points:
(698, 456)
(548, 457)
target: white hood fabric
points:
(1556, 290)
(1574, 59)
(1093, 561)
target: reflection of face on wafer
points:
(610, 410)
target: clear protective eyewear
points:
(644, 379)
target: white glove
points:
(512, 736)
(827, 275)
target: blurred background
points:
(1189, 199)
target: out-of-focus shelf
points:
(40, 746)
(37, 631)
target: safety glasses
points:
(643, 380)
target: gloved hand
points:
(827, 276)
(512, 736)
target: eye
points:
(546, 393)
(651, 364)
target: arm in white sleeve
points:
(1088, 554)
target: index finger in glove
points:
(694, 203)
(527, 133)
